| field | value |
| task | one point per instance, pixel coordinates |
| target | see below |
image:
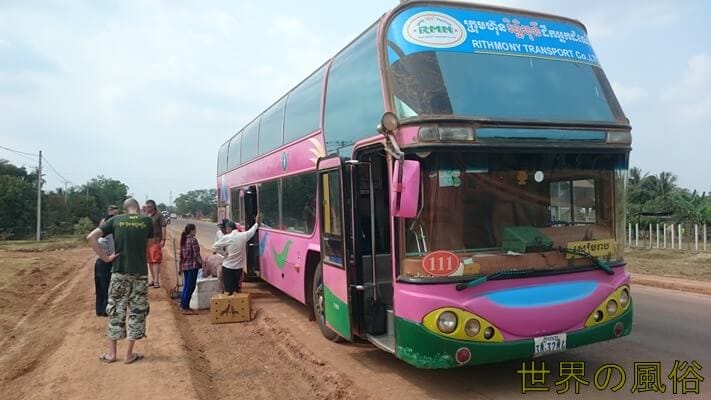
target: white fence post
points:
(657, 235)
(696, 237)
(664, 229)
(704, 236)
(673, 242)
(679, 236)
(650, 236)
(636, 235)
(629, 234)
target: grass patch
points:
(51, 244)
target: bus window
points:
(573, 201)
(332, 233)
(234, 205)
(269, 203)
(354, 102)
(270, 129)
(249, 141)
(303, 108)
(233, 158)
(299, 212)
(222, 159)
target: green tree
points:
(197, 203)
(18, 191)
(105, 191)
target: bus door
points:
(337, 257)
(249, 206)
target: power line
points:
(17, 151)
(54, 169)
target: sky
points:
(146, 91)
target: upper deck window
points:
(270, 130)
(303, 108)
(486, 64)
(354, 103)
(250, 136)
(233, 159)
(222, 159)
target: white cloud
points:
(628, 95)
(690, 96)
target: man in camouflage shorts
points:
(128, 291)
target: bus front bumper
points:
(422, 348)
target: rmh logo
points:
(428, 29)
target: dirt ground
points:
(51, 340)
(689, 265)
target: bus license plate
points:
(549, 344)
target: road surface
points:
(668, 326)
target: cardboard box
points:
(204, 288)
(226, 309)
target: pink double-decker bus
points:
(449, 186)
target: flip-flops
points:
(136, 357)
(105, 358)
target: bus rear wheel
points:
(319, 306)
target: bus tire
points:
(319, 308)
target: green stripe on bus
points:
(424, 349)
(337, 313)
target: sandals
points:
(136, 357)
(106, 359)
(188, 311)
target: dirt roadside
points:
(668, 269)
(51, 341)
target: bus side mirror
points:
(405, 189)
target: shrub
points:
(84, 226)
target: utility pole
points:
(39, 196)
(170, 199)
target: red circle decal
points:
(440, 263)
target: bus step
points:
(387, 341)
(383, 342)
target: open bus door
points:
(333, 300)
(249, 202)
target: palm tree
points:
(635, 177)
(666, 183)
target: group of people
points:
(129, 246)
(229, 250)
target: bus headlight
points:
(459, 324)
(624, 297)
(472, 327)
(447, 322)
(613, 306)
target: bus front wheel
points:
(319, 306)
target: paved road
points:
(668, 326)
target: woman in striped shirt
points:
(190, 263)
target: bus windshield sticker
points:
(421, 29)
(449, 178)
(596, 248)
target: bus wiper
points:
(506, 273)
(596, 261)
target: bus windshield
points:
(501, 87)
(513, 210)
(471, 62)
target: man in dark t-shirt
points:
(128, 291)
